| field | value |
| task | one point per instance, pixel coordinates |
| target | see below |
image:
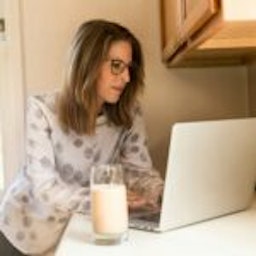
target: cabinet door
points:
(193, 15)
(181, 19)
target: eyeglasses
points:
(118, 66)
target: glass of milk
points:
(109, 206)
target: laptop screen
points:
(210, 171)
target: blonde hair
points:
(77, 104)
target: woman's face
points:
(114, 73)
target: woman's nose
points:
(126, 75)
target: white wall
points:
(170, 95)
(12, 92)
(2, 84)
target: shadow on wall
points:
(179, 95)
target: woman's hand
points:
(138, 202)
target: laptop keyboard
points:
(148, 222)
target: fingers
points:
(138, 202)
(135, 201)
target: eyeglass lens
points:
(118, 66)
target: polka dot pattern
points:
(31, 143)
(88, 153)
(32, 235)
(27, 221)
(143, 157)
(134, 138)
(48, 132)
(20, 235)
(59, 147)
(38, 114)
(24, 199)
(45, 162)
(63, 220)
(63, 174)
(134, 149)
(6, 220)
(33, 126)
(78, 143)
(67, 173)
(97, 156)
(51, 218)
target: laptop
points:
(211, 171)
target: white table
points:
(232, 235)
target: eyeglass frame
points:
(129, 66)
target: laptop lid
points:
(211, 171)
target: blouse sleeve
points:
(140, 175)
(40, 164)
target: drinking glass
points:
(109, 204)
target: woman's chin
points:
(113, 100)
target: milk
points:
(109, 209)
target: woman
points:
(95, 119)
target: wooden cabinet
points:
(208, 32)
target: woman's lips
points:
(118, 89)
